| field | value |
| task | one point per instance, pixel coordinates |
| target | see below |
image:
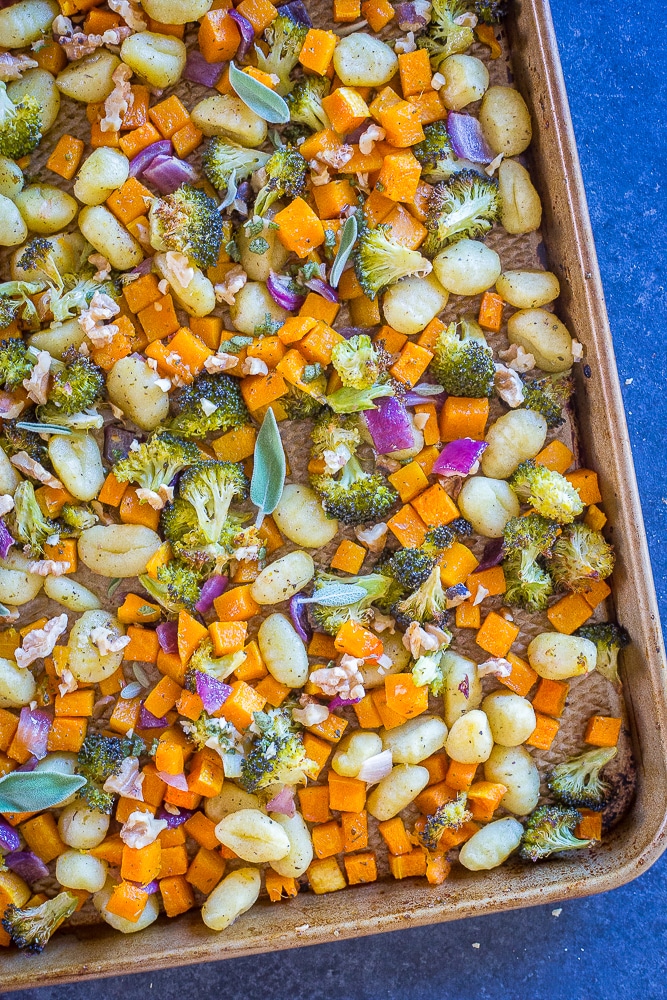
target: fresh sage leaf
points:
(347, 240)
(43, 428)
(260, 99)
(268, 474)
(32, 791)
(428, 389)
(4, 612)
(336, 595)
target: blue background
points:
(615, 63)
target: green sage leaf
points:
(259, 98)
(43, 428)
(268, 474)
(32, 791)
(337, 595)
(347, 240)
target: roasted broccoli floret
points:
(444, 36)
(14, 439)
(427, 604)
(204, 660)
(335, 436)
(16, 363)
(463, 362)
(330, 618)
(430, 669)
(529, 587)
(491, 11)
(285, 178)
(186, 221)
(285, 37)
(99, 758)
(178, 586)
(76, 518)
(75, 387)
(435, 153)
(465, 206)
(577, 782)
(299, 405)
(357, 496)
(224, 160)
(525, 540)
(177, 519)
(411, 566)
(26, 521)
(358, 362)
(210, 487)
(380, 261)
(547, 491)
(155, 462)
(609, 639)
(548, 396)
(32, 927)
(190, 420)
(277, 754)
(581, 554)
(15, 303)
(550, 829)
(69, 293)
(20, 125)
(450, 816)
(206, 731)
(305, 102)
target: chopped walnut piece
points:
(41, 641)
(37, 385)
(227, 289)
(141, 829)
(127, 782)
(508, 385)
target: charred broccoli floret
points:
(206, 731)
(177, 519)
(225, 162)
(435, 153)
(305, 102)
(547, 491)
(277, 754)
(20, 125)
(581, 554)
(155, 462)
(75, 387)
(550, 829)
(357, 496)
(190, 420)
(577, 782)
(99, 758)
(178, 586)
(204, 660)
(331, 617)
(427, 604)
(16, 363)
(210, 487)
(412, 566)
(14, 439)
(32, 927)
(609, 639)
(525, 540)
(26, 521)
(548, 396)
(285, 37)
(450, 816)
(463, 362)
(285, 178)
(380, 261)
(75, 518)
(186, 221)
(358, 362)
(444, 36)
(299, 405)
(465, 206)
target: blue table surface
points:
(615, 63)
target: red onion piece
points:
(298, 616)
(414, 398)
(353, 137)
(297, 11)
(33, 731)
(389, 426)
(457, 458)
(278, 286)
(214, 586)
(283, 802)
(247, 34)
(9, 838)
(174, 780)
(352, 331)
(144, 159)
(338, 702)
(167, 173)
(167, 633)
(174, 820)
(6, 540)
(213, 693)
(376, 768)
(117, 443)
(492, 555)
(408, 18)
(197, 70)
(468, 140)
(149, 721)
(322, 288)
(150, 888)
(27, 865)
(141, 269)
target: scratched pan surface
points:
(596, 432)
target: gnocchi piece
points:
(491, 845)
(528, 289)
(520, 205)
(81, 827)
(176, 11)
(513, 438)
(412, 303)
(543, 335)
(396, 791)
(467, 267)
(41, 85)
(362, 60)
(13, 229)
(515, 768)
(283, 652)
(17, 585)
(235, 895)
(301, 518)
(300, 852)
(466, 80)
(226, 114)
(251, 307)
(45, 208)
(87, 663)
(77, 461)
(253, 835)
(511, 717)
(9, 477)
(557, 656)
(353, 750)
(505, 121)
(103, 230)
(470, 740)
(117, 549)
(463, 688)
(57, 339)
(149, 914)
(17, 685)
(229, 799)
(488, 504)
(197, 297)
(157, 59)
(89, 79)
(70, 593)
(11, 177)
(75, 870)
(132, 386)
(100, 174)
(400, 657)
(283, 578)
(26, 22)
(415, 740)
